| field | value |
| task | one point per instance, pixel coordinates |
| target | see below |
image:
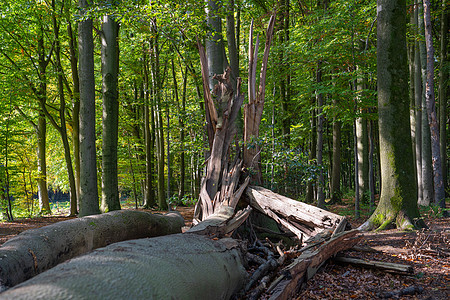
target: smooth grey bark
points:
(181, 266)
(444, 90)
(427, 171)
(88, 160)
(418, 110)
(37, 250)
(398, 198)
(44, 205)
(110, 116)
(438, 183)
(233, 53)
(363, 155)
(214, 42)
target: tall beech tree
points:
(439, 192)
(88, 159)
(110, 120)
(398, 198)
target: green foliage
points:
(186, 200)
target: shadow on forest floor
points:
(426, 250)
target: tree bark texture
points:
(302, 219)
(438, 182)
(398, 198)
(88, 159)
(427, 168)
(254, 108)
(183, 266)
(444, 89)
(110, 116)
(418, 110)
(38, 250)
(214, 42)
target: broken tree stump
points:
(180, 266)
(34, 251)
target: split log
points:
(373, 264)
(306, 265)
(302, 219)
(181, 266)
(34, 251)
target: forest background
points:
(318, 135)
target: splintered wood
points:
(302, 219)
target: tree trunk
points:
(363, 164)
(44, 205)
(418, 111)
(148, 124)
(398, 198)
(75, 116)
(320, 120)
(214, 42)
(35, 251)
(444, 90)
(88, 160)
(110, 116)
(62, 129)
(157, 113)
(232, 46)
(438, 183)
(427, 171)
(195, 267)
(336, 167)
(309, 198)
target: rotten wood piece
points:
(379, 265)
(254, 108)
(306, 265)
(302, 219)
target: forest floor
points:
(428, 251)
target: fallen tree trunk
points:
(34, 251)
(306, 265)
(181, 266)
(302, 219)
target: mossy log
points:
(34, 251)
(180, 266)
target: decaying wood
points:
(307, 264)
(34, 251)
(380, 265)
(254, 108)
(181, 266)
(219, 184)
(302, 219)
(222, 222)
